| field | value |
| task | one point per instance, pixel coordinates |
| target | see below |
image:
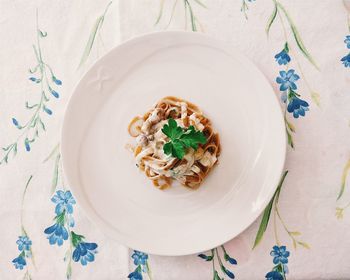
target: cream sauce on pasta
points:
(162, 169)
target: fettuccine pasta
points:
(148, 151)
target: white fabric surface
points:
(322, 147)
(68, 24)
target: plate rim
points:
(91, 213)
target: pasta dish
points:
(174, 141)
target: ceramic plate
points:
(126, 82)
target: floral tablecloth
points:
(303, 48)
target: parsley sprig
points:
(181, 139)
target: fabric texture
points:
(47, 46)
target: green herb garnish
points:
(181, 139)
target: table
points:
(301, 47)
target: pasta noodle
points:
(161, 168)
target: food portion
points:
(174, 141)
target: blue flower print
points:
(40, 74)
(282, 57)
(27, 145)
(57, 233)
(347, 41)
(215, 257)
(85, 252)
(47, 110)
(230, 259)
(280, 259)
(64, 202)
(135, 275)
(287, 80)
(273, 275)
(19, 262)
(280, 254)
(141, 261)
(35, 80)
(346, 60)
(298, 107)
(15, 122)
(54, 93)
(24, 243)
(56, 81)
(139, 258)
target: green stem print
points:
(340, 210)
(290, 129)
(24, 243)
(77, 249)
(189, 13)
(293, 102)
(95, 31)
(314, 95)
(245, 7)
(280, 10)
(279, 252)
(57, 156)
(63, 218)
(346, 4)
(218, 266)
(273, 207)
(42, 75)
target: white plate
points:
(126, 82)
